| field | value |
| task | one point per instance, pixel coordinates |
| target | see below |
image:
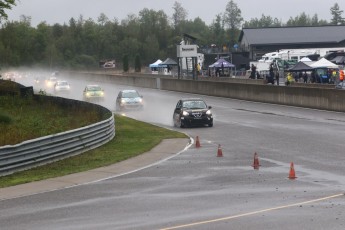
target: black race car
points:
(192, 112)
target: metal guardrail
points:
(43, 150)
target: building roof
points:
(293, 35)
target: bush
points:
(137, 63)
(125, 63)
(5, 119)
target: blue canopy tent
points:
(154, 66)
(220, 68)
(222, 63)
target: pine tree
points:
(336, 13)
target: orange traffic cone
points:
(256, 163)
(197, 142)
(219, 152)
(292, 174)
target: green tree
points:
(154, 33)
(151, 49)
(107, 38)
(102, 19)
(43, 38)
(90, 38)
(131, 26)
(217, 31)
(300, 20)
(180, 14)
(233, 19)
(316, 22)
(17, 39)
(85, 61)
(264, 21)
(82, 43)
(125, 63)
(5, 5)
(336, 15)
(137, 63)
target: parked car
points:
(192, 112)
(61, 86)
(92, 92)
(129, 99)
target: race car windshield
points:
(130, 94)
(194, 105)
(95, 88)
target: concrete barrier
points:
(315, 96)
(139, 81)
(318, 98)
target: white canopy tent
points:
(305, 59)
(155, 64)
(324, 63)
(323, 72)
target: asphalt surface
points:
(165, 150)
(198, 190)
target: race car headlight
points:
(209, 112)
(140, 100)
(185, 113)
(123, 101)
(88, 94)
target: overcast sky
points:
(61, 11)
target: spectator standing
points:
(312, 77)
(253, 72)
(295, 76)
(320, 78)
(300, 76)
(334, 76)
(305, 77)
(341, 76)
(271, 75)
(198, 67)
(289, 79)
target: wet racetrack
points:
(198, 190)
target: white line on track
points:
(253, 213)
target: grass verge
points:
(25, 119)
(132, 138)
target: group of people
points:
(272, 77)
(300, 77)
(312, 77)
(328, 76)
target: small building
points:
(259, 41)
